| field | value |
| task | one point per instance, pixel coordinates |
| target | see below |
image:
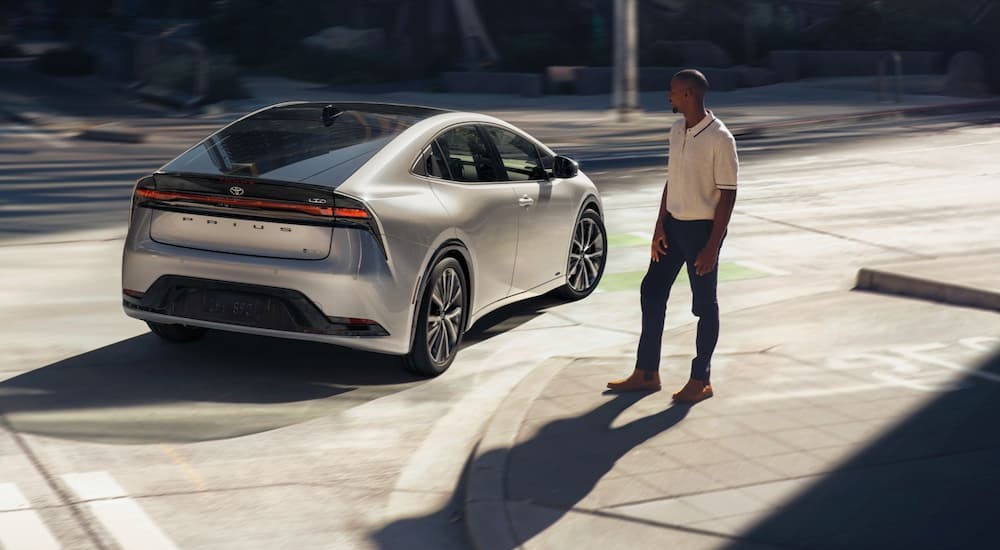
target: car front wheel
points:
(440, 320)
(587, 257)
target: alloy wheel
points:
(586, 256)
(444, 318)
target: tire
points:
(177, 333)
(584, 269)
(441, 320)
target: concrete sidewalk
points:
(795, 450)
(802, 447)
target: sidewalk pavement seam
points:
(835, 235)
(886, 282)
(487, 519)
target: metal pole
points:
(624, 95)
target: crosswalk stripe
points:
(121, 516)
(20, 526)
(18, 130)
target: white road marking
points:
(919, 353)
(24, 131)
(20, 526)
(760, 267)
(121, 516)
(940, 147)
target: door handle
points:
(526, 201)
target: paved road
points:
(111, 439)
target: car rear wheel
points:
(587, 257)
(440, 320)
(176, 333)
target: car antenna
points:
(330, 114)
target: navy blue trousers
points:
(685, 239)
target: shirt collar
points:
(709, 118)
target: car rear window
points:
(299, 142)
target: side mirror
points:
(563, 167)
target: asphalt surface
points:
(112, 439)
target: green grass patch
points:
(630, 280)
(624, 240)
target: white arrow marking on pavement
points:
(20, 526)
(918, 353)
(119, 515)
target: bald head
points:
(687, 92)
(693, 78)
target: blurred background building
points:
(520, 46)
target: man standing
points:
(697, 203)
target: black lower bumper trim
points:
(242, 304)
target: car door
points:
(546, 210)
(483, 207)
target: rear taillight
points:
(218, 200)
(353, 213)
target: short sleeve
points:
(727, 164)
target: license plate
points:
(228, 307)
(236, 308)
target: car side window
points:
(548, 164)
(468, 156)
(518, 155)
(432, 163)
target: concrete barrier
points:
(525, 84)
(593, 80)
(796, 64)
(597, 80)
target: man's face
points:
(678, 94)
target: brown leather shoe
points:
(694, 391)
(639, 380)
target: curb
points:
(486, 518)
(21, 118)
(751, 131)
(885, 282)
(112, 131)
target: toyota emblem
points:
(236, 190)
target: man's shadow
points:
(555, 469)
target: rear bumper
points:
(255, 306)
(354, 281)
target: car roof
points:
(413, 112)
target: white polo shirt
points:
(702, 161)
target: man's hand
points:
(706, 260)
(659, 242)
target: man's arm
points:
(726, 169)
(659, 235)
(709, 256)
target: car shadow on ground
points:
(509, 318)
(557, 468)
(144, 390)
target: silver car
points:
(380, 227)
